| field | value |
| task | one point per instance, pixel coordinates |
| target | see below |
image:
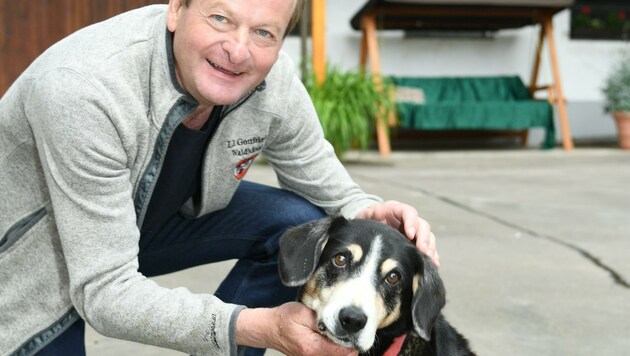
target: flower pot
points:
(622, 118)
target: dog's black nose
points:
(352, 319)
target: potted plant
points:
(617, 93)
(348, 104)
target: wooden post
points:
(369, 41)
(567, 140)
(533, 83)
(363, 54)
(318, 34)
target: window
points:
(600, 20)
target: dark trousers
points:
(247, 229)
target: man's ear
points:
(174, 7)
(429, 297)
(300, 249)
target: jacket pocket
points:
(20, 228)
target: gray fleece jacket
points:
(82, 135)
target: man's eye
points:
(264, 33)
(219, 18)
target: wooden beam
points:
(460, 11)
(368, 25)
(567, 140)
(318, 34)
(363, 55)
(533, 82)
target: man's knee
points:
(299, 211)
(293, 212)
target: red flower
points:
(586, 10)
(621, 15)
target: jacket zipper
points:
(20, 228)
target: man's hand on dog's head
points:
(404, 218)
(290, 328)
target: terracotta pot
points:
(622, 118)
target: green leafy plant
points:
(617, 85)
(348, 104)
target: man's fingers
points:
(330, 348)
(405, 218)
(432, 250)
(423, 235)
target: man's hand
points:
(290, 328)
(404, 218)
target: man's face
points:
(225, 48)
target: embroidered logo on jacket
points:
(242, 166)
(245, 146)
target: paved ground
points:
(535, 246)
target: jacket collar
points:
(165, 93)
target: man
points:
(123, 149)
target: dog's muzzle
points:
(347, 328)
(352, 319)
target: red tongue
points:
(394, 348)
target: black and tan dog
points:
(369, 285)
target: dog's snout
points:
(352, 319)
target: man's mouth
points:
(223, 70)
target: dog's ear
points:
(429, 297)
(300, 248)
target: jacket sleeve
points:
(302, 158)
(86, 162)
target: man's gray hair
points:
(295, 17)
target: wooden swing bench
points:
(494, 103)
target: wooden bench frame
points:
(529, 15)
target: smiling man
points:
(124, 149)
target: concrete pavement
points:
(534, 245)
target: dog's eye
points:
(392, 278)
(340, 260)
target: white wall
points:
(583, 64)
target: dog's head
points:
(361, 276)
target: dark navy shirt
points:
(180, 177)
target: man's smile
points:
(223, 70)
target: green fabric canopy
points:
(491, 103)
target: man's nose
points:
(237, 47)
